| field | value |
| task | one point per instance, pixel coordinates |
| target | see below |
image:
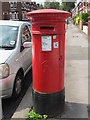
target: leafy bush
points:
(85, 17)
(34, 116)
(80, 16)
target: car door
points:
(26, 52)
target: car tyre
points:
(17, 86)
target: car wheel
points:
(17, 86)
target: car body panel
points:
(4, 55)
(16, 59)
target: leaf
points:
(34, 116)
(45, 116)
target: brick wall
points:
(0, 10)
(5, 10)
(19, 6)
(89, 9)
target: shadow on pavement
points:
(8, 105)
(74, 111)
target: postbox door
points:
(47, 64)
(58, 52)
(51, 63)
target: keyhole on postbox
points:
(60, 59)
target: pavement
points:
(76, 79)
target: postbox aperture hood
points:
(60, 14)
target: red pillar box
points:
(48, 51)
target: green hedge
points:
(84, 17)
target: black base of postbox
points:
(49, 104)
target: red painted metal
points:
(48, 66)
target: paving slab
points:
(25, 105)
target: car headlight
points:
(4, 71)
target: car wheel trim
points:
(18, 85)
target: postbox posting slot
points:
(46, 28)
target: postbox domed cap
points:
(63, 14)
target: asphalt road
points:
(9, 106)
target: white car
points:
(15, 56)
